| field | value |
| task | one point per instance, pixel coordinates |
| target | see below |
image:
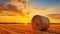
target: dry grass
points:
(27, 29)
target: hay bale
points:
(40, 23)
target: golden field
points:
(27, 29)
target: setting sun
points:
(23, 12)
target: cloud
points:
(8, 10)
(51, 10)
(54, 16)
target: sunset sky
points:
(44, 4)
(45, 7)
(41, 3)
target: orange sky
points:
(29, 12)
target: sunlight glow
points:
(24, 15)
